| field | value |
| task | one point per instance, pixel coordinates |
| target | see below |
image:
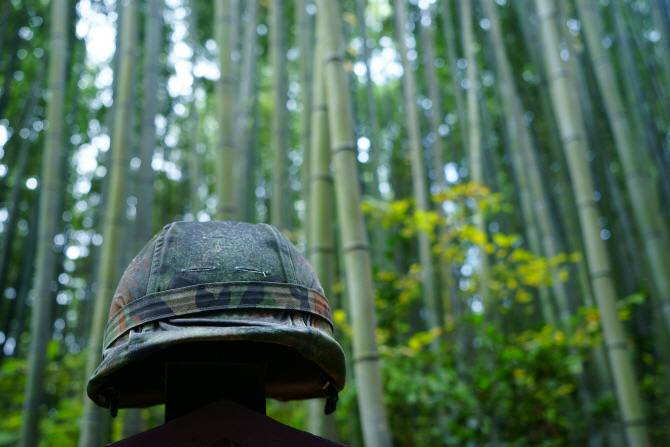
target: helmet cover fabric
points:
(209, 286)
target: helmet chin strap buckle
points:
(112, 397)
(331, 392)
(331, 404)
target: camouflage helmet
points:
(215, 291)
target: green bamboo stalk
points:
(532, 40)
(23, 283)
(428, 41)
(280, 212)
(20, 168)
(474, 139)
(573, 137)
(638, 181)
(452, 308)
(235, 34)
(5, 17)
(650, 62)
(373, 119)
(49, 217)
(194, 162)
(662, 53)
(568, 217)
(11, 67)
(10, 225)
(432, 85)
(225, 180)
(320, 232)
(645, 120)
(493, 176)
(354, 242)
(631, 259)
(565, 312)
(530, 190)
(254, 153)
(305, 42)
(145, 175)
(614, 432)
(452, 56)
(377, 237)
(245, 102)
(91, 421)
(434, 315)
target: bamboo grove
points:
(481, 186)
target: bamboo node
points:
(652, 235)
(366, 357)
(356, 246)
(334, 57)
(320, 249)
(601, 273)
(560, 73)
(227, 209)
(602, 59)
(327, 177)
(345, 147)
(640, 421)
(572, 137)
(551, 14)
(635, 173)
(617, 345)
(587, 203)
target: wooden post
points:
(192, 385)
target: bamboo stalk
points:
(573, 137)
(321, 248)
(245, 103)
(638, 181)
(20, 167)
(452, 56)
(660, 18)
(526, 172)
(23, 283)
(280, 212)
(145, 175)
(373, 120)
(434, 315)
(354, 242)
(474, 139)
(49, 216)
(646, 125)
(446, 276)
(225, 179)
(194, 162)
(428, 40)
(305, 41)
(91, 421)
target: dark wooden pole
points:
(192, 385)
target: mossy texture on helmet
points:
(218, 291)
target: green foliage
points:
(517, 386)
(64, 386)
(514, 382)
(514, 271)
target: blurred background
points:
(482, 186)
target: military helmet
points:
(216, 291)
